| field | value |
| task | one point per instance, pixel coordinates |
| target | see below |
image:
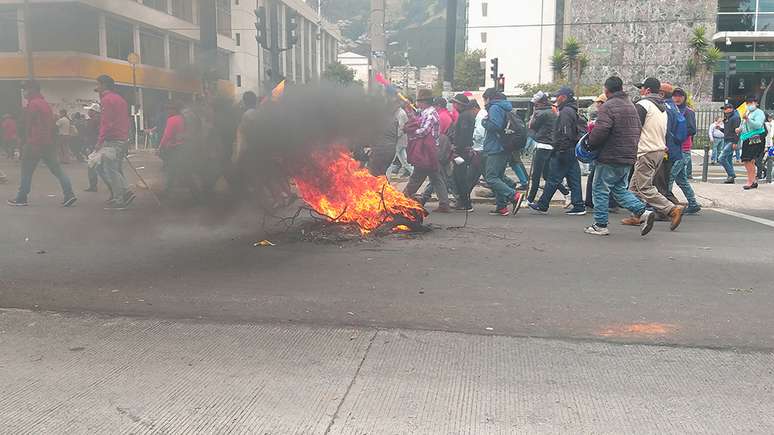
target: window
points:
(179, 54)
(484, 9)
(9, 30)
(222, 65)
(151, 48)
(239, 80)
(238, 39)
(736, 5)
(223, 12)
(183, 9)
(765, 5)
(159, 5)
(65, 27)
(736, 22)
(483, 37)
(120, 39)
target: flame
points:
(401, 228)
(334, 185)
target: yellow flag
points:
(742, 109)
(278, 90)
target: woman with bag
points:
(753, 137)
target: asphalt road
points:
(709, 284)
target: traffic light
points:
(260, 27)
(494, 61)
(501, 83)
(291, 27)
(732, 65)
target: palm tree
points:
(558, 64)
(572, 50)
(703, 59)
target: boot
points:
(631, 220)
(676, 216)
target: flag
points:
(278, 90)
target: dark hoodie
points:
(543, 121)
(565, 135)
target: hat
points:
(679, 91)
(93, 107)
(651, 83)
(728, 106)
(564, 90)
(539, 96)
(440, 102)
(602, 98)
(751, 99)
(461, 99)
(425, 95)
(492, 93)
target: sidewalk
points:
(86, 374)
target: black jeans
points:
(540, 165)
(563, 165)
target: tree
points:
(341, 74)
(558, 64)
(702, 61)
(572, 52)
(468, 74)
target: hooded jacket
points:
(565, 135)
(494, 124)
(653, 117)
(730, 124)
(616, 132)
(690, 120)
(543, 121)
(463, 131)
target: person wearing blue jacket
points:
(496, 156)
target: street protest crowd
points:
(636, 149)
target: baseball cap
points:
(751, 99)
(679, 91)
(564, 90)
(728, 106)
(461, 99)
(539, 96)
(651, 83)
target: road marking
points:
(767, 222)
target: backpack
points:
(677, 125)
(515, 132)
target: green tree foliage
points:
(468, 74)
(702, 61)
(341, 74)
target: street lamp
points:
(133, 59)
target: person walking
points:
(650, 154)
(731, 122)
(463, 150)
(171, 144)
(542, 125)
(111, 142)
(716, 136)
(496, 156)
(752, 135)
(401, 118)
(674, 148)
(679, 173)
(63, 131)
(90, 136)
(563, 163)
(424, 134)
(616, 137)
(40, 145)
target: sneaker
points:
(522, 187)
(597, 230)
(500, 212)
(729, 180)
(676, 217)
(647, 219)
(518, 199)
(576, 212)
(17, 202)
(129, 197)
(536, 208)
(69, 201)
(693, 209)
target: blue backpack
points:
(677, 130)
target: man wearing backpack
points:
(676, 134)
(650, 153)
(567, 131)
(680, 168)
(496, 154)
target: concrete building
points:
(72, 42)
(429, 76)
(357, 63)
(520, 33)
(404, 76)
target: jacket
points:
(616, 132)
(174, 132)
(565, 135)
(463, 132)
(494, 124)
(730, 124)
(690, 120)
(114, 119)
(653, 117)
(674, 149)
(445, 119)
(40, 123)
(542, 123)
(9, 130)
(423, 134)
(715, 132)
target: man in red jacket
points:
(111, 143)
(39, 120)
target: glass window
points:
(9, 30)
(483, 37)
(151, 48)
(120, 39)
(484, 9)
(224, 17)
(765, 22)
(736, 22)
(736, 5)
(179, 54)
(766, 6)
(735, 47)
(64, 28)
(183, 9)
(159, 5)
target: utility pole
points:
(27, 46)
(451, 39)
(274, 49)
(378, 40)
(319, 36)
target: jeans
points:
(94, 174)
(563, 165)
(447, 181)
(418, 177)
(680, 176)
(518, 167)
(30, 163)
(688, 164)
(401, 154)
(540, 168)
(717, 147)
(495, 177)
(613, 180)
(726, 161)
(112, 169)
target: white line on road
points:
(767, 222)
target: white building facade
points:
(520, 33)
(358, 64)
